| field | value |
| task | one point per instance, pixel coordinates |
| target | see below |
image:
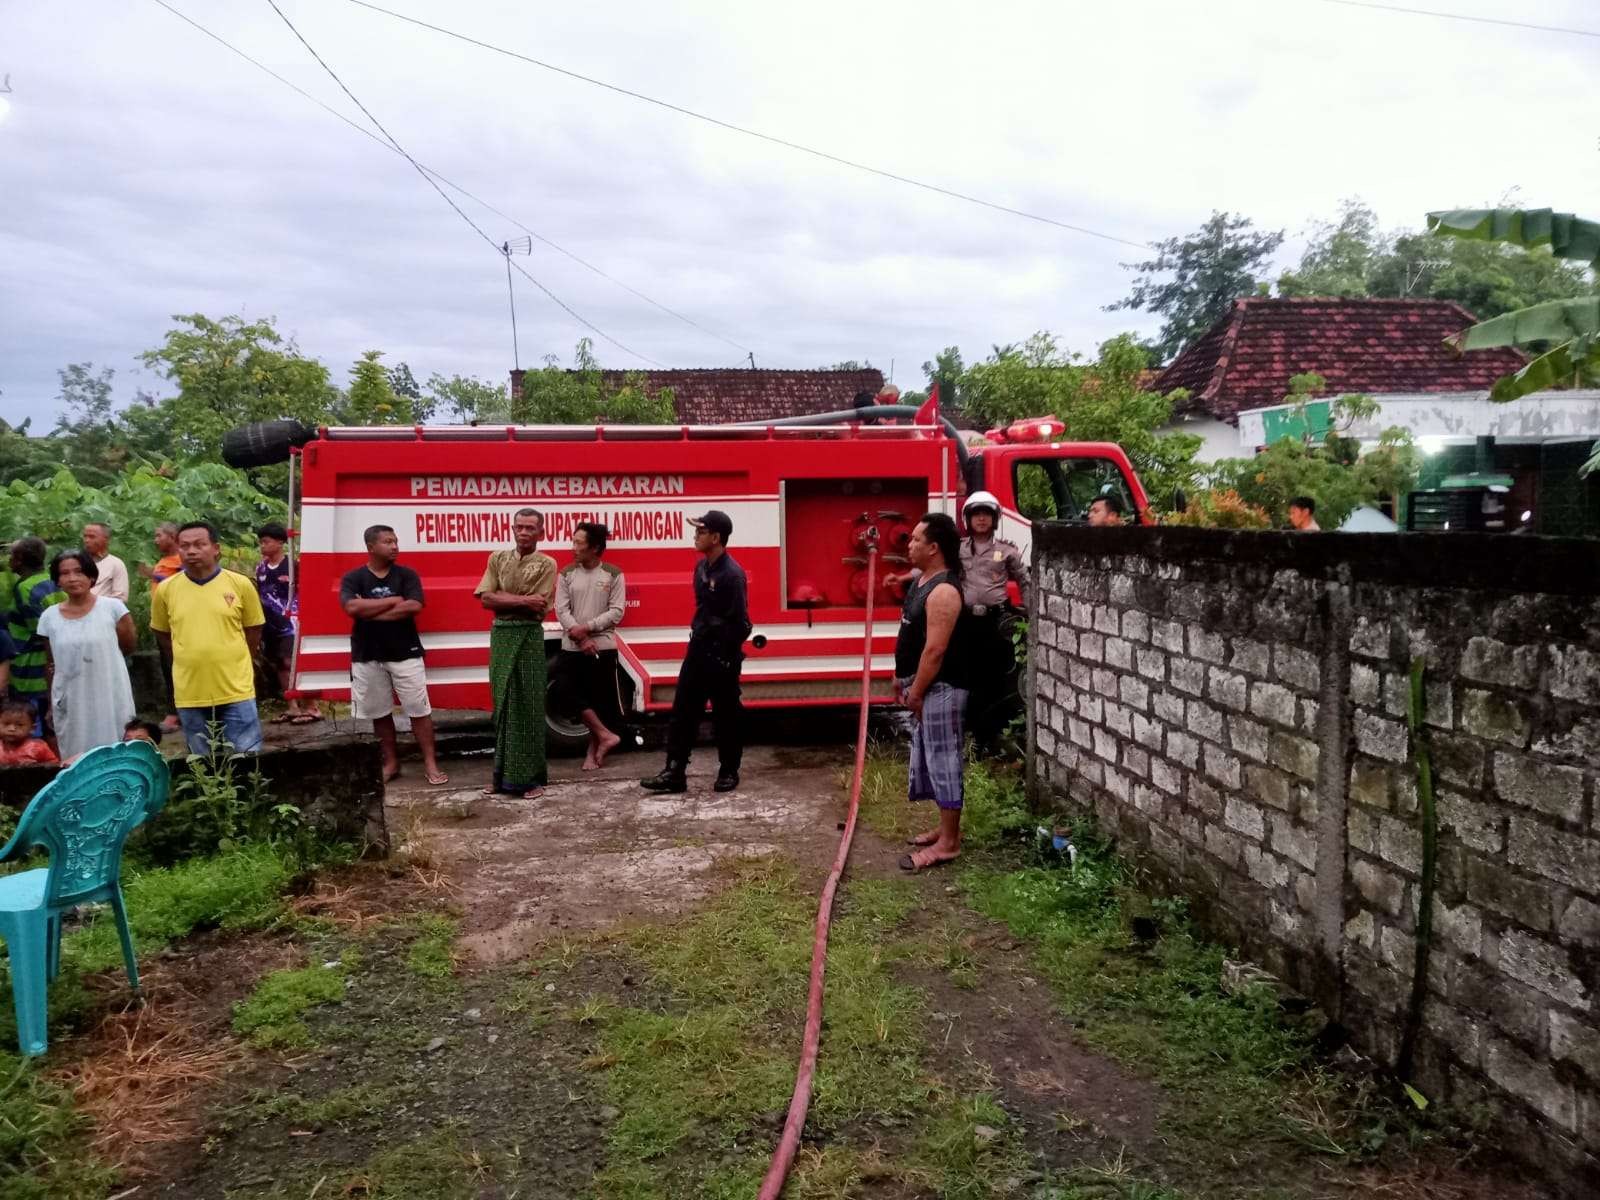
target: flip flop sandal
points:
(908, 862)
(439, 779)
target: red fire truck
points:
(801, 495)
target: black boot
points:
(671, 779)
(727, 779)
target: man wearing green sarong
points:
(518, 586)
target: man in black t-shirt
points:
(386, 650)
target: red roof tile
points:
(722, 396)
(1246, 359)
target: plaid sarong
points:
(936, 747)
(517, 683)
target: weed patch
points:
(701, 1085)
(238, 890)
(272, 1017)
(432, 955)
(41, 1139)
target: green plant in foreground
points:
(41, 1151)
(431, 955)
(272, 1017)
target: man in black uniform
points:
(710, 669)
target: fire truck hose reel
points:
(264, 443)
(800, 1102)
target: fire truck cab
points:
(805, 500)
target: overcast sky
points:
(146, 171)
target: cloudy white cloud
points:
(145, 171)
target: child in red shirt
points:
(18, 746)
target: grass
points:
(241, 889)
(42, 1154)
(41, 1139)
(701, 1081)
(432, 954)
(272, 1017)
(343, 1106)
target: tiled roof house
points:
(1246, 359)
(722, 396)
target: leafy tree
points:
(1099, 401)
(463, 400)
(29, 459)
(1354, 257)
(1484, 278)
(88, 432)
(1341, 256)
(231, 372)
(1192, 280)
(583, 396)
(848, 364)
(1332, 471)
(56, 508)
(404, 382)
(372, 399)
(946, 372)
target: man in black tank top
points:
(930, 667)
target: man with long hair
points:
(931, 679)
(591, 598)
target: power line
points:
(479, 200)
(754, 133)
(1451, 16)
(445, 196)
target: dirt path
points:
(597, 849)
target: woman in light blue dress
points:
(91, 697)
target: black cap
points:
(717, 521)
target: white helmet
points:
(981, 500)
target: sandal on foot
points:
(908, 862)
(438, 778)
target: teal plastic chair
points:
(80, 819)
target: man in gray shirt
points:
(590, 600)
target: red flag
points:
(928, 414)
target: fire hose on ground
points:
(800, 1102)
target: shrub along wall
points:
(1234, 706)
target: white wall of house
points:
(1443, 417)
(1218, 438)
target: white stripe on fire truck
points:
(424, 527)
(660, 672)
(634, 636)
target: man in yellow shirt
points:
(210, 620)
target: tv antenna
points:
(519, 245)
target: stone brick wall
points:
(1232, 706)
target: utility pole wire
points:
(755, 133)
(460, 212)
(456, 187)
(1451, 16)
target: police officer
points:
(988, 564)
(710, 669)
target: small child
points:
(142, 731)
(18, 746)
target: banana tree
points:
(1564, 334)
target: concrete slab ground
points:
(597, 849)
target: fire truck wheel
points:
(264, 443)
(567, 737)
